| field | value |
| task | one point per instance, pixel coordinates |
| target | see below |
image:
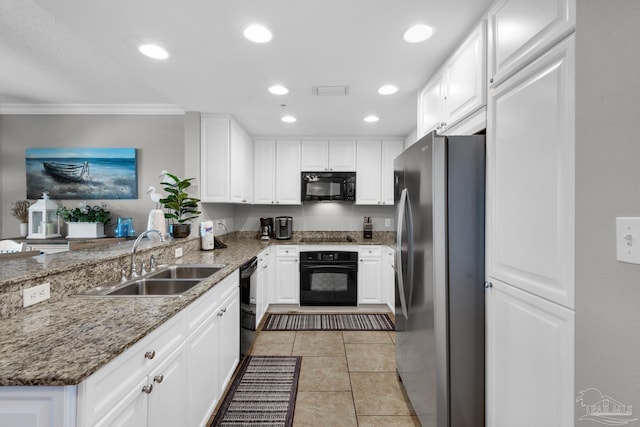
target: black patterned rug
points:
(263, 393)
(328, 322)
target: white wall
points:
(159, 141)
(607, 295)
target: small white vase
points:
(24, 229)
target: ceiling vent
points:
(330, 90)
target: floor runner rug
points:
(263, 393)
(328, 322)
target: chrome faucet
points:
(133, 268)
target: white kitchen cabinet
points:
(374, 169)
(263, 283)
(228, 348)
(167, 405)
(332, 155)
(458, 88)
(530, 177)
(38, 406)
(520, 30)
(225, 153)
(389, 277)
(287, 275)
(370, 290)
(530, 354)
(276, 172)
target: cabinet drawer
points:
(106, 387)
(287, 250)
(202, 308)
(372, 251)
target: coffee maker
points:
(284, 227)
(266, 228)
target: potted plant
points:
(85, 221)
(20, 211)
(180, 207)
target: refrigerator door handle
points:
(404, 208)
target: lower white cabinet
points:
(389, 277)
(530, 353)
(287, 277)
(25, 406)
(370, 275)
(263, 283)
(228, 347)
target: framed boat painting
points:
(82, 173)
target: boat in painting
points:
(68, 172)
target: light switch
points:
(628, 240)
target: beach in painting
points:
(108, 178)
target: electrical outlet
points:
(387, 222)
(178, 252)
(36, 294)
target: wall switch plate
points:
(36, 294)
(387, 222)
(628, 240)
(178, 252)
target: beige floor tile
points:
(324, 409)
(371, 357)
(324, 374)
(271, 349)
(388, 421)
(392, 335)
(275, 337)
(369, 337)
(309, 343)
(378, 394)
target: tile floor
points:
(347, 378)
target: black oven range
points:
(329, 278)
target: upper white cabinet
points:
(334, 155)
(374, 171)
(458, 88)
(530, 353)
(225, 153)
(519, 30)
(531, 177)
(276, 172)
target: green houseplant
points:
(85, 220)
(180, 207)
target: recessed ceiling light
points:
(418, 33)
(371, 119)
(257, 33)
(278, 90)
(153, 51)
(288, 119)
(387, 90)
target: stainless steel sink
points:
(186, 271)
(154, 287)
(167, 280)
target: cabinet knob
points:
(158, 378)
(150, 354)
(491, 80)
(147, 388)
(488, 285)
(222, 312)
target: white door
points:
(342, 156)
(370, 280)
(202, 370)
(390, 150)
(264, 164)
(521, 29)
(214, 159)
(228, 347)
(530, 353)
(167, 399)
(314, 155)
(530, 177)
(287, 280)
(368, 171)
(431, 111)
(130, 411)
(288, 172)
(237, 167)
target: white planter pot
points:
(76, 230)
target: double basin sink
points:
(167, 280)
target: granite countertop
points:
(63, 342)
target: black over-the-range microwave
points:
(328, 186)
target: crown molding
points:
(92, 109)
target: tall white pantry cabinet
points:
(530, 213)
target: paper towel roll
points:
(156, 221)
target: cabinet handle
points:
(264, 266)
(147, 388)
(222, 312)
(491, 80)
(150, 354)
(488, 285)
(158, 378)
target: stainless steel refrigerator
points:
(439, 195)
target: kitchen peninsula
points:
(62, 344)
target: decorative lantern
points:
(43, 219)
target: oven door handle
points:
(353, 266)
